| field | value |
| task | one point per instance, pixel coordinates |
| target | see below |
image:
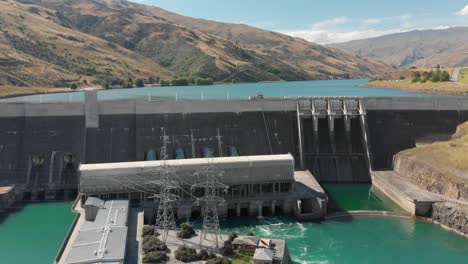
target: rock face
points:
(431, 178)
(452, 216)
(441, 168)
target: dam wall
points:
(42, 144)
(396, 124)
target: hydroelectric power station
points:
(275, 148)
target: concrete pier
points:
(7, 197)
(413, 199)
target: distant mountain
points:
(56, 42)
(447, 47)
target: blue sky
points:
(327, 21)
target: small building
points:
(263, 256)
(7, 197)
(266, 251)
(91, 207)
(246, 243)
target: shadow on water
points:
(15, 209)
(19, 206)
(353, 197)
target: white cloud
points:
(372, 21)
(441, 27)
(463, 11)
(330, 36)
(330, 22)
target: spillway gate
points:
(333, 139)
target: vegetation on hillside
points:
(183, 81)
(449, 157)
(420, 80)
(463, 76)
(428, 87)
(432, 76)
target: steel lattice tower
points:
(211, 201)
(167, 196)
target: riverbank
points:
(447, 88)
(13, 91)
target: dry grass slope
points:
(463, 76)
(428, 87)
(37, 50)
(449, 156)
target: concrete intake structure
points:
(258, 185)
(336, 138)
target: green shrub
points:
(73, 86)
(165, 83)
(444, 76)
(205, 255)
(148, 231)
(186, 254)
(152, 243)
(227, 249)
(179, 82)
(250, 233)
(128, 83)
(435, 76)
(203, 81)
(186, 231)
(139, 83)
(155, 257)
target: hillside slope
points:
(36, 50)
(56, 42)
(415, 48)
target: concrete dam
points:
(337, 139)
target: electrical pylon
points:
(167, 196)
(212, 183)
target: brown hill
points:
(55, 42)
(36, 50)
(420, 48)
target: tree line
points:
(113, 82)
(186, 81)
(432, 76)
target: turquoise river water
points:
(231, 91)
(34, 234)
(359, 239)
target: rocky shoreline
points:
(452, 216)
